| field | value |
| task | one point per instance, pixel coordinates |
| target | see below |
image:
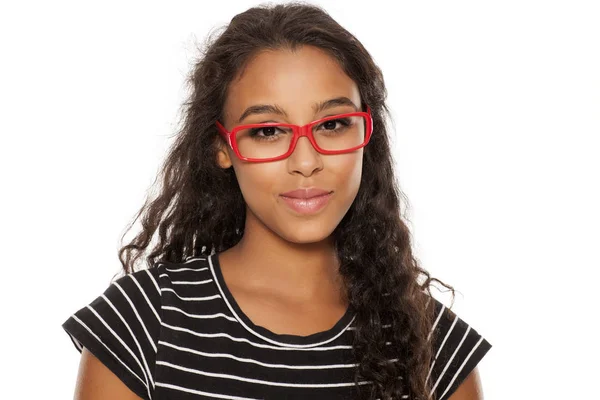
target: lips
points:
(310, 205)
(305, 193)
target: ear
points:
(223, 157)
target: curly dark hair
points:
(200, 210)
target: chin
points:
(306, 234)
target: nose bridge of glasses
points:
(303, 131)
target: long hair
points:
(199, 208)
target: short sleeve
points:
(457, 349)
(121, 328)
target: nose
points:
(305, 159)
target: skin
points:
(96, 382)
(294, 287)
(470, 389)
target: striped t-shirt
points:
(175, 331)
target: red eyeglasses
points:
(335, 134)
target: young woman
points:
(282, 268)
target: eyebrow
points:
(317, 107)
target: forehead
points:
(292, 80)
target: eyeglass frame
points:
(298, 131)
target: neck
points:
(298, 272)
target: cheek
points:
(257, 182)
(348, 170)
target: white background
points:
(497, 115)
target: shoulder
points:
(128, 298)
(121, 328)
(457, 350)
(187, 286)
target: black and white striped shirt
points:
(175, 331)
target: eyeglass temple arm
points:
(226, 135)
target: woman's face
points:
(294, 82)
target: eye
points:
(335, 124)
(267, 131)
(330, 124)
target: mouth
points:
(309, 205)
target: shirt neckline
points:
(288, 340)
